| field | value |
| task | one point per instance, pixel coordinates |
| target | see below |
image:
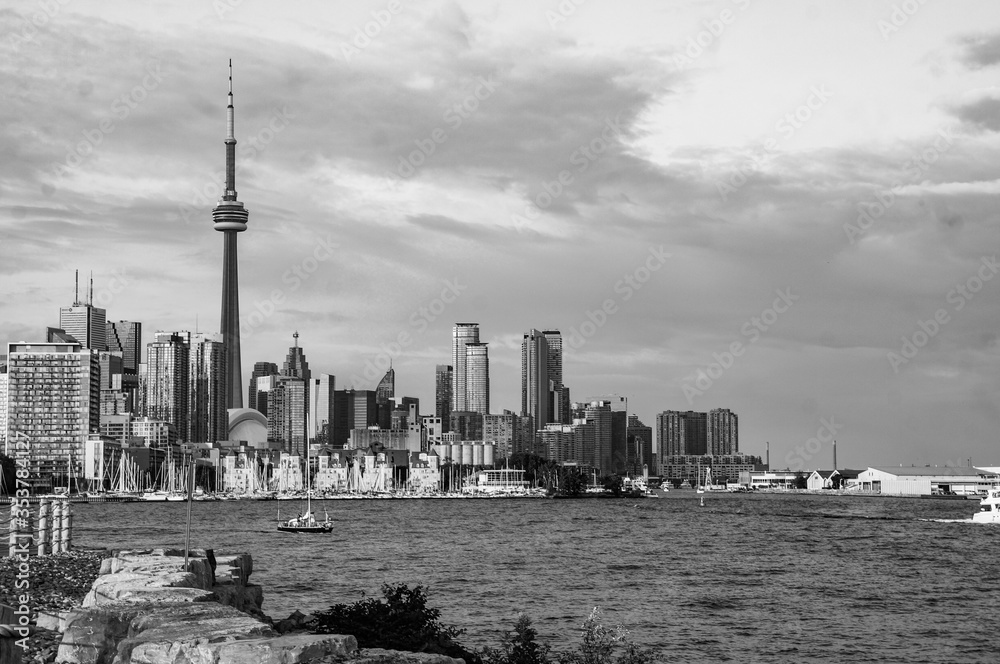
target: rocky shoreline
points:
(102, 607)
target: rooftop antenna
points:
(90, 298)
(296, 337)
(76, 290)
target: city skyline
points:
(694, 256)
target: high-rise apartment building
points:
(536, 399)
(682, 433)
(501, 430)
(384, 394)
(640, 447)
(3, 407)
(53, 403)
(600, 415)
(286, 414)
(462, 335)
(168, 379)
(477, 378)
(442, 394)
(723, 432)
(352, 409)
(260, 369)
(467, 424)
(558, 393)
(208, 417)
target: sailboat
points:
(306, 523)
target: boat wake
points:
(948, 520)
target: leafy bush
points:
(599, 646)
(401, 622)
(518, 646)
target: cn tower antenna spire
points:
(230, 218)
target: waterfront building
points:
(53, 402)
(443, 393)
(462, 335)
(168, 379)
(208, 417)
(639, 442)
(260, 370)
(411, 440)
(723, 432)
(599, 414)
(477, 377)
(689, 469)
(927, 480)
(681, 434)
(424, 473)
(230, 218)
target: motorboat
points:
(989, 507)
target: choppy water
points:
(747, 578)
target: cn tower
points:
(230, 218)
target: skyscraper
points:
(297, 367)
(462, 334)
(535, 399)
(682, 433)
(321, 408)
(260, 370)
(640, 446)
(442, 394)
(124, 339)
(286, 414)
(723, 432)
(53, 402)
(208, 419)
(85, 323)
(167, 380)
(384, 394)
(558, 393)
(477, 378)
(230, 218)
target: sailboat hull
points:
(320, 528)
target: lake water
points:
(747, 578)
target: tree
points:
(613, 484)
(801, 481)
(573, 482)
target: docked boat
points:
(989, 507)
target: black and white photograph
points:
(499, 332)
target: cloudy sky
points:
(786, 208)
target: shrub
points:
(401, 622)
(518, 646)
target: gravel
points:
(58, 582)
